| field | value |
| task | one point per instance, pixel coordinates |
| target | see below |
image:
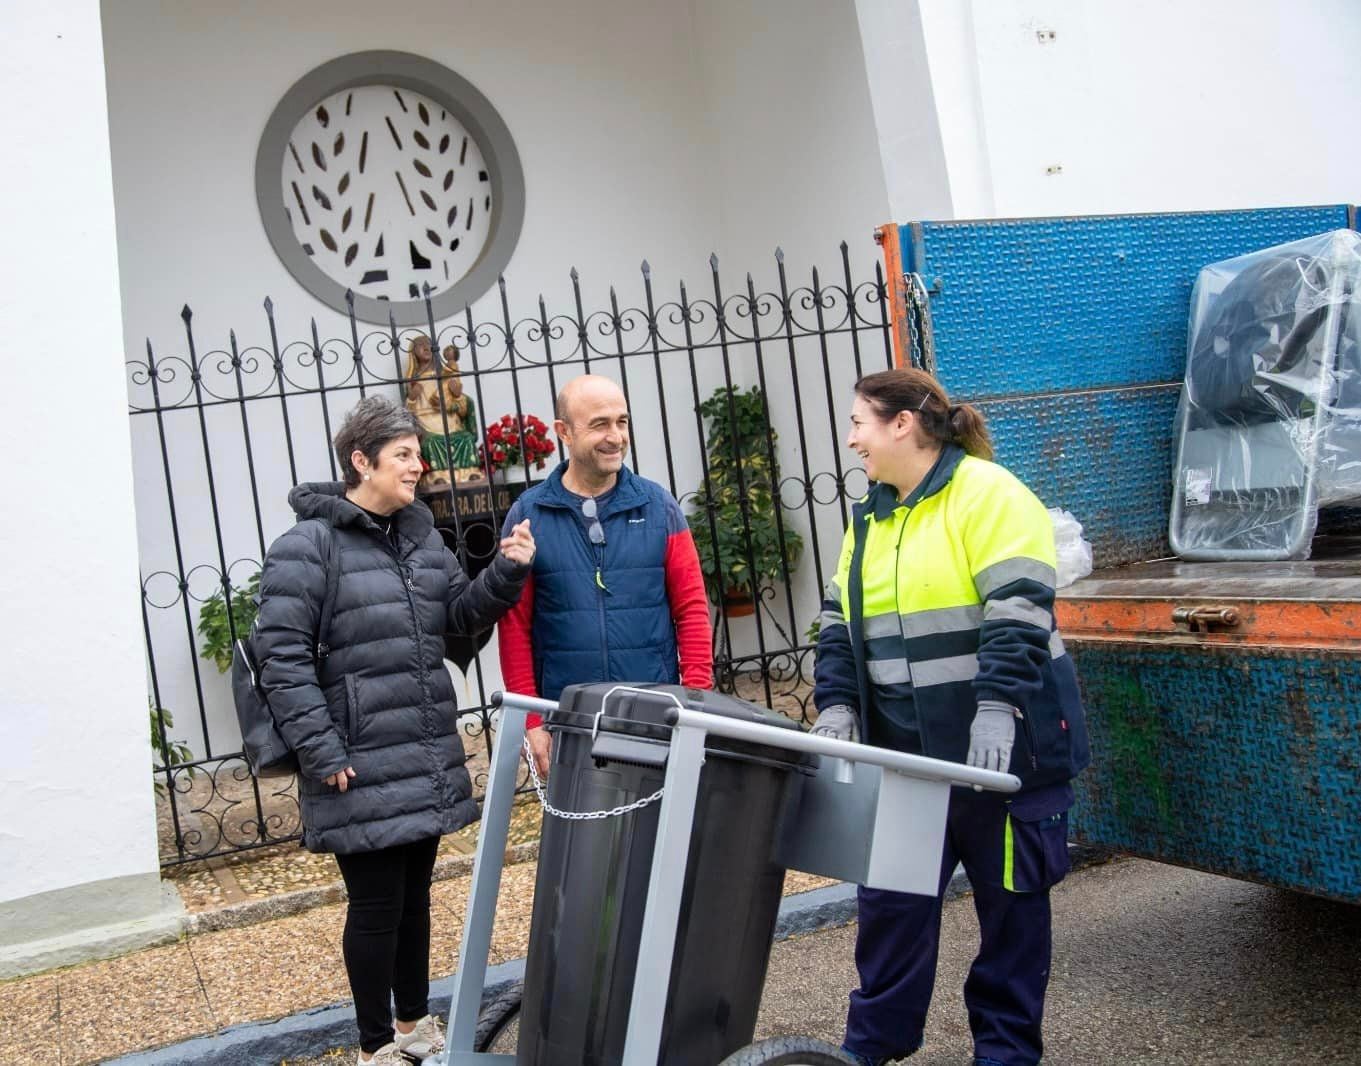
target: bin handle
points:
(605, 702)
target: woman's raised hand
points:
(519, 546)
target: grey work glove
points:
(991, 736)
(839, 723)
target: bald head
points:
(593, 422)
(586, 391)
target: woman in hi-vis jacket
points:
(938, 638)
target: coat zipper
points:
(427, 704)
(352, 701)
(1030, 738)
(602, 590)
(898, 607)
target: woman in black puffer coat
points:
(372, 715)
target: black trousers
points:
(387, 935)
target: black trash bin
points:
(593, 879)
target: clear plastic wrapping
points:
(1269, 422)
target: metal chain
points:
(581, 816)
(923, 340)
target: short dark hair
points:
(370, 425)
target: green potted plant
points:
(742, 467)
(213, 627)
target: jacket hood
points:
(326, 500)
(882, 500)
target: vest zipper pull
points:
(600, 581)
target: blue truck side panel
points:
(1241, 761)
(1071, 335)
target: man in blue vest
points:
(616, 592)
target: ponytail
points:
(969, 429)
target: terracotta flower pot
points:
(738, 604)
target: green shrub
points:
(737, 442)
(175, 753)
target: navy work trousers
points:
(1013, 849)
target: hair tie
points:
(953, 410)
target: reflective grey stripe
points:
(832, 591)
(889, 671)
(1056, 648)
(1008, 570)
(942, 620)
(925, 623)
(827, 619)
(944, 671)
(881, 625)
(1018, 609)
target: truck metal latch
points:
(1203, 619)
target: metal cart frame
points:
(908, 781)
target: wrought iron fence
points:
(221, 433)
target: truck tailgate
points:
(1225, 705)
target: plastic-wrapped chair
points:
(1269, 423)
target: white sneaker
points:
(387, 1055)
(423, 1041)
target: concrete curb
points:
(310, 1032)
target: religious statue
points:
(444, 411)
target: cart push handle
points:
(676, 714)
(918, 766)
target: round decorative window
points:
(383, 172)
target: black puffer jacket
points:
(382, 700)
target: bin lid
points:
(639, 710)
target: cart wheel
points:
(498, 1020)
(788, 1051)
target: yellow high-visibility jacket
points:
(947, 598)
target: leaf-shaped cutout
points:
(421, 168)
(317, 156)
(421, 139)
(344, 183)
(321, 198)
(425, 115)
(328, 240)
(453, 214)
(350, 253)
(323, 116)
(345, 219)
(444, 144)
(453, 245)
(434, 238)
(448, 180)
(429, 200)
(340, 143)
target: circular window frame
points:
(400, 70)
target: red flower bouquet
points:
(515, 440)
